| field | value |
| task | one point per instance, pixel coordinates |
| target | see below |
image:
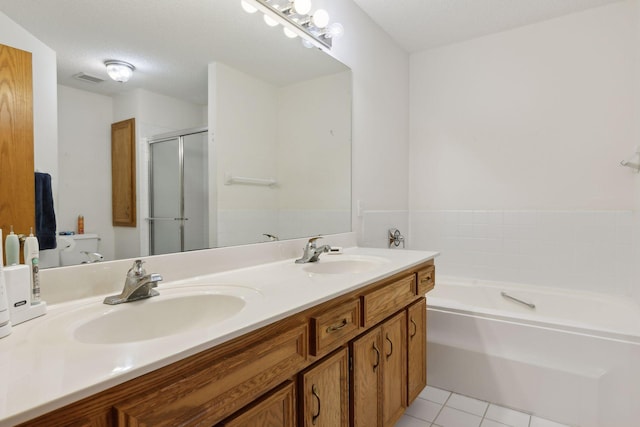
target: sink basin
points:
(176, 310)
(351, 265)
(156, 318)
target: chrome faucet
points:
(92, 257)
(138, 285)
(312, 252)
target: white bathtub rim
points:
(630, 333)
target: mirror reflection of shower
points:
(178, 192)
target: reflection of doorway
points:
(178, 192)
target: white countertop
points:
(43, 368)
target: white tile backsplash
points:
(588, 250)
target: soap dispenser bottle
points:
(31, 258)
(5, 324)
(12, 248)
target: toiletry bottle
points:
(12, 248)
(5, 324)
(31, 255)
(80, 224)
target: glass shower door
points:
(165, 222)
(178, 192)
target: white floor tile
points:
(541, 422)
(491, 423)
(407, 421)
(435, 394)
(507, 416)
(423, 409)
(450, 417)
(467, 404)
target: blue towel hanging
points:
(45, 214)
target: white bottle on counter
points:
(31, 258)
(5, 324)
(12, 248)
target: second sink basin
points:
(334, 264)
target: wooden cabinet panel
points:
(334, 327)
(17, 192)
(394, 369)
(123, 173)
(277, 409)
(416, 349)
(426, 280)
(385, 301)
(366, 369)
(324, 392)
(211, 394)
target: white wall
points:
(84, 125)
(529, 123)
(380, 123)
(243, 126)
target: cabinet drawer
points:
(383, 302)
(334, 327)
(426, 280)
(276, 409)
(211, 394)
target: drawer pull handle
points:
(314, 417)
(425, 279)
(337, 327)
(390, 347)
(415, 328)
(377, 357)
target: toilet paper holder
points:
(395, 238)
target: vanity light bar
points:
(303, 28)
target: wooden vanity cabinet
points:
(357, 359)
(379, 379)
(416, 349)
(324, 392)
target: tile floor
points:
(440, 408)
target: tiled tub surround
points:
(586, 250)
(41, 375)
(573, 359)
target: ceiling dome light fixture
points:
(119, 71)
(296, 18)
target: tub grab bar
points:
(507, 296)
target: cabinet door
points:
(417, 349)
(394, 368)
(325, 392)
(366, 369)
(277, 409)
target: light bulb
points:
(270, 21)
(289, 33)
(302, 7)
(320, 18)
(247, 7)
(334, 31)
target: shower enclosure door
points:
(178, 192)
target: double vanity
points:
(336, 342)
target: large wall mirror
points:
(243, 135)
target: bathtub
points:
(574, 358)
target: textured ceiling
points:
(170, 42)
(422, 24)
